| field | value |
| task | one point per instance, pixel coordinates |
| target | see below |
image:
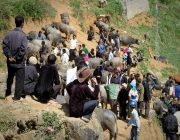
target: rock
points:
(2, 88)
(3, 77)
(1, 137)
(27, 136)
(40, 120)
(158, 75)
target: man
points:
(177, 115)
(39, 36)
(85, 49)
(115, 79)
(31, 76)
(152, 84)
(14, 47)
(122, 78)
(79, 49)
(97, 74)
(167, 84)
(64, 58)
(140, 90)
(48, 85)
(65, 47)
(147, 98)
(73, 42)
(90, 35)
(134, 120)
(91, 54)
(177, 90)
(109, 76)
(43, 52)
(117, 42)
(103, 35)
(175, 102)
(170, 125)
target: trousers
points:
(89, 108)
(56, 89)
(123, 110)
(171, 137)
(113, 104)
(147, 108)
(20, 74)
(134, 133)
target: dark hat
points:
(110, 69)
(83, 74)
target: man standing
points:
(151, 85)
(123, 78)
(140, 90)
(170, 125)
(14, 47)
(65, 47)
(73, 42)
(65, 58)
(177, 90)
(43, 52)
(40, 36)
(97, 74)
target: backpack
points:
(170, 124)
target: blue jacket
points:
(177, 91)
(101, 48)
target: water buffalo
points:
(39, 43)
(99, 24)
(68, 30)
(117, 62)
(146, 36)
(103, 18)
(163, 59)
(102, 2)
(107, 120)
(32, 50)
(32, 35)
(62, 69)
(50, 30)
(55, 39)
(128, 40)
(65, 18)
(94, 62)
(104, 76)
(159, 107)
(175, 77)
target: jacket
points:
(123, 95)
(152, 84)
(147, 96)
(123, 79)
(97, 73)
(177, 91)
(72, 55)
(140, 90)
(14, 45)
(79, 94)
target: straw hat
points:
(83, 74)
(32, 60)
(124, 85)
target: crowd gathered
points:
(131, 94)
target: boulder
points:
(3, 77)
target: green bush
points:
(27, 8)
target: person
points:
(116, 52)
(91, 54)
(79, 49)
(177, 90)
(109, 76)
(167, 99)
(31, 77)
(43, 52)
(65, 58)
(147, 98)
(90, 35)
(171, 89)
(134, 60)
(139, 56)
(14, 48)
(101, 48)
(98, 54)
(101, 65)
(97, 74)
(48, 85)
(170, 125)
(167, 84)
(83, 100)
(85, 50)
(83, 54)
(115, 79)
(140, 91)
(129, 49)
(175, 102)
(122, 98)
(105, 54)
(152, 84)
(65, 47)
(110, 54)
(72, 54)
(122, 78)
(103, 35)
(124, 62)
(117, 42)
(73, 42)
(39, 36)
(177, 114)
(134, 120)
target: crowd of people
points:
(134, 93)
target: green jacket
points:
(166, 101)
(85, 50)
(111, 88)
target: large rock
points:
(3, 77)
(134, 7)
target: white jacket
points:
(65, 59)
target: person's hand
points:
(94, 80)
(12, 59)
(138, 132)
(99, 76)
(126, 127)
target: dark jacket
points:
(123, 95)
(91, 54)
(30, 79)
(170, 124)
(44, 87)
(115, 80)
(147, 96)
(14, 45)
(79, 94)
(72, 55)
(97, 73)
(123, 79)
(98, 54)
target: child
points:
(134, 120)
(101, 65)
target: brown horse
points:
(104, 18)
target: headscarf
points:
(125, 50)
(133, 84)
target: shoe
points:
(85, 119)
(99, 105)
(16, 101)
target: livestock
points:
(117, 61)
(103, 18)
(104, 76)
(68, 30)
(102, 2)
(32, 50)
(101, 24)
(62, 84)
(146, 36)
(176, 78)
(128, 40)
(62, 69)
(55, 39)
(159, 107)
(107, 120)
(163, 59)
(94, 62)
(32, 35)
(39, 43)
(50, 30)
(65, 18)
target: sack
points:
(66, 97)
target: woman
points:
(125, 57)
(83, 99)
